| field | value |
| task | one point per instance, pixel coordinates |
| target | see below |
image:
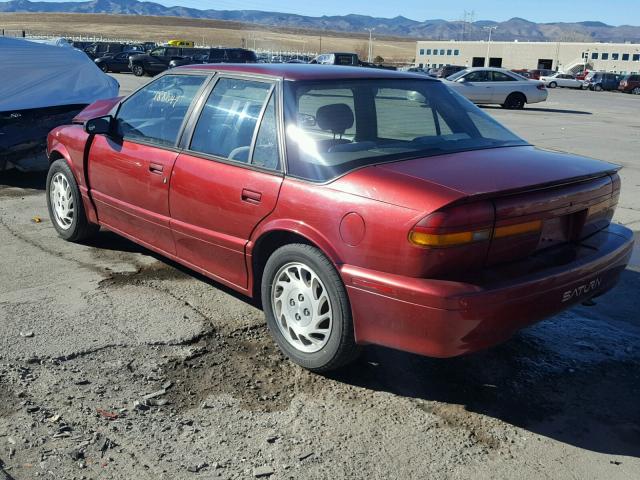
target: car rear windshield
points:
(335, 126)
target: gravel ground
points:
(117, 364)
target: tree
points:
(378, 59)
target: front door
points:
(477, 87)
(130, 171)
(228, 179)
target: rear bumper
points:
(442, 318)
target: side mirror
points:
(462, 80)
(100, 125)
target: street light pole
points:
(370, 54)
(491, 29)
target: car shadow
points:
(544, 110)
(573, 378)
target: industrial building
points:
(562, 56)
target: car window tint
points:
(502, 77)
(229, 117)
(266, 151)
(155, 113)
(403, 115)
(478, 76)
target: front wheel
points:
(636, 91)
(307, 308)
(138, 70)
(515, 101)
(597, 87)
(65, 204)
(104, 67)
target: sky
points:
(613, 12)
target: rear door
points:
(502, 85)
(229, 177)
(129, 173)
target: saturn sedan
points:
(497, 86)
(358, 206)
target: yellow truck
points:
(180, 43)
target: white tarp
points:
(33, 75)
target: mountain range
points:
(438, 29)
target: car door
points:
(120, 62)
(130, 170)
(476, 86)
(228, 178)
(502, 85)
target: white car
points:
(497, 85)
(561, 80)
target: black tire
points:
(80, 228)
(340, 348)
(515, 101)
(636, 91)
(104, 67)
(553, 85)
(597, 87)
(138, 70)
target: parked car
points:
(399, 214)
(100, 49)
(599, 81)
(522, 72)
(158, 59)
(114, 63)
(217, 55)
(496, 85)
(448, 70)
(561, 80)
(582, 75)
(337, 59)
(540, 72)
(630, 84)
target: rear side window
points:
(228, 120)
(155, 113)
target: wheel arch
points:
(268, 240)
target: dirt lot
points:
(87, 331)
(208, 32)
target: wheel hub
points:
(302, 308)
(61, 199)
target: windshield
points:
(335, 126)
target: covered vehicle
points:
(42, 86)
(358, 205)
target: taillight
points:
(460, 225)
(466, 224)
(541, 87)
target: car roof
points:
(303, 71)
(489, 69)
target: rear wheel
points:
(307, 308)
(65, 204)
(515, 101)
(553, 85)
(138, 70)
(636, 91)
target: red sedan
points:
(361, 206)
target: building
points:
(561, 56)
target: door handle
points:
(156, 168)
(251, 196)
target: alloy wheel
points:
(302, 307)
(62, 201)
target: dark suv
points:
(599, 81)
(100, 49)
(630, 84)
(447, 70)
(216, 55)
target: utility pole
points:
(491, 29)
(370, 30)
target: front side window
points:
(155, 113)
(158, 52)
(477, 76)
(335, 126)
(229, 117)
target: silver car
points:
(497, 86)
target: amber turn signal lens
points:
(447, 239)
(518, 229)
